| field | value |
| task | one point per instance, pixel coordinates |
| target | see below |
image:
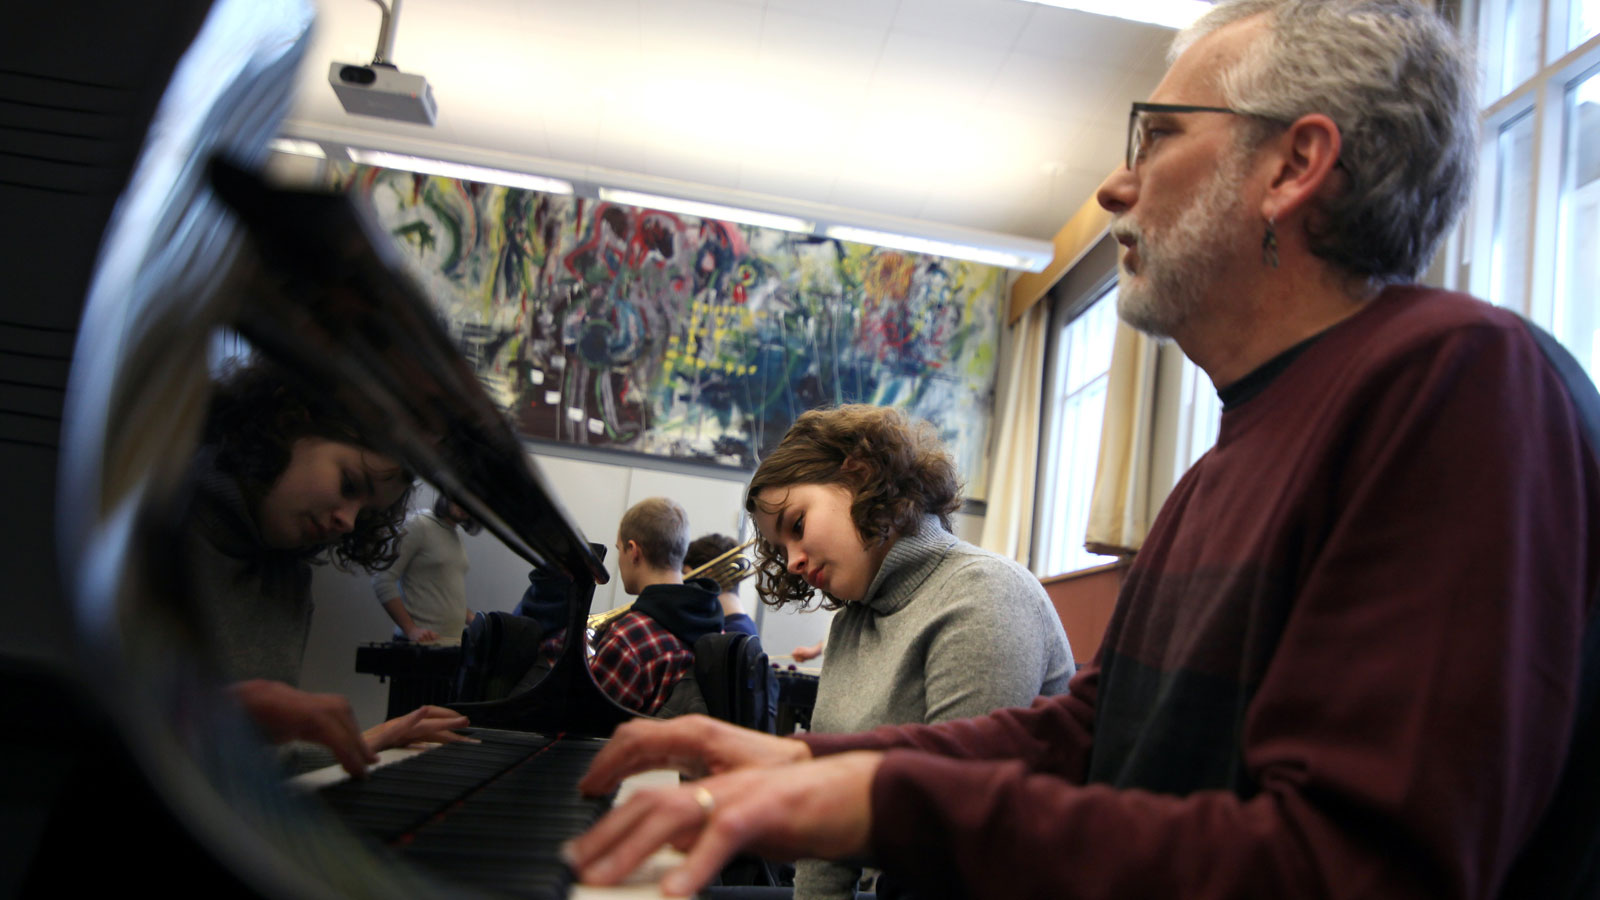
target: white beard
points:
(1181, 267)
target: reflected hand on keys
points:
(817, 808)
(286, 714)
(693, 745)
(430, 724)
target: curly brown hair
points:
(896, 468)
(258, 410)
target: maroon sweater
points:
(1346, 663)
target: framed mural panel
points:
(614, 326)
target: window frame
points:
(1470, 253)
(1049, 535)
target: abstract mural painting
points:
(665, 334)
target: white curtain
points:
(1119, 515)
(1014, 464)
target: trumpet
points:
(727, 570)
(600, 620)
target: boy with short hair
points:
(650, 648)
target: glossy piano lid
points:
(332, 299)
(172, 268)
(184, 768)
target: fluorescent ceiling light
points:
(1003, 258)
(460, 170)
(1167, 13)
(996, 255)
(707, 210)
(297, 147)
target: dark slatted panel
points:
(491, 815)
(63, 141)
(33, 379)
(63, 135)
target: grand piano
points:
(128, 762)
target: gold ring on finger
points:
(708, 803)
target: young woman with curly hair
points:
(282, 480)
(309, 482)
(855, 504)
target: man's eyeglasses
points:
(1136, 129)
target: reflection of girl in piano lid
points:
(307, 482)
(282, 480)
(855, 503)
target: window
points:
(1199, 418)
(1583, 22)
(1519, 43)
(1513, 194)
(1574, 319)
(1185, 409)
(1532, 241)
(1078, 360)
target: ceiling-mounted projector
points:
(380, 89)
(383, 91)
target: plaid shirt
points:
(637, 662)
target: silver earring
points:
(1269, 245)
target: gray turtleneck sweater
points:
(256, 601)
(947, 631)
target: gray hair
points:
(1398, 82)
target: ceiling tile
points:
(902, 140)
(812, 50)
(879, 194)
(695, 166)
(1135, 85)
(807, 178)
(871, 14)
(988, 23)
(571, 141)
(617, 149)
(971, 188)
(521, 135)
(609, 21)
(1048, 86)
(934, 70)
(728, 33)
(1092, 39)
(791, 127)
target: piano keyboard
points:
(490, 815)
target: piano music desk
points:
(797, 695)
(418, 674)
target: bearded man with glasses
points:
(1357, 655)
